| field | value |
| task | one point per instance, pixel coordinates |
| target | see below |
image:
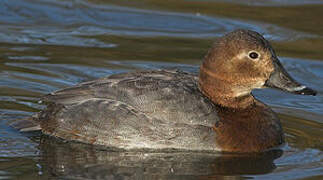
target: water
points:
(47, 45)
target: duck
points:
(173, 110)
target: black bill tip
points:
(305, 91)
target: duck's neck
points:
(219, 92)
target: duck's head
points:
(241, 61)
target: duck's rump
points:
(147, 109)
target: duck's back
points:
(139, 110)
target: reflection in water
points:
(75, 160)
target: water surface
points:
(47, 45)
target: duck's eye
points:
(253, 55)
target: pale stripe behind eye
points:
(241, 55)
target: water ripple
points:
(30, 58)
(12, 144)
(76, 23)
(58, 76)
(296, 163)
(276, 2)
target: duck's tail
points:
(27, 125)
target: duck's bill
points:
(282, 80)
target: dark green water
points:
(51, 44)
